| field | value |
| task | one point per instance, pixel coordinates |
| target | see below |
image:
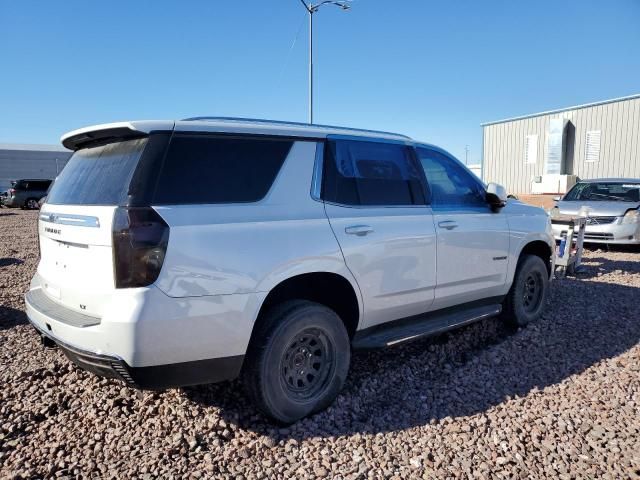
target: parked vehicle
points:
(43, 200)
(3, 197)
(25, 193)
(289, 245)
(612, 208)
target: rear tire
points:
(528, 294)
(298, 360)
(31, 204)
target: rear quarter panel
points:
(243, 248)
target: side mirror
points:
(557, 199)
(496, 196)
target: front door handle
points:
(360, 230)
(448, 224)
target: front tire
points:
(298, 361)
(528, 294)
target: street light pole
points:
(311, 9)
(311, 64)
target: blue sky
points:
(430, 69)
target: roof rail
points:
(285, 122)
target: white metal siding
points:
(619, 123)
(16, 164)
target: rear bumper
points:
(150, 340)
(11, 202)
(156, 377)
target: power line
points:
(293, 44)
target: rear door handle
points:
(360, 230)
(448, 224)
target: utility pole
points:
(311, 64)
(311, 9)
(466, 154)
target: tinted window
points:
(41, 185)
(204, 169)
(370, 173)
(450, 183)
(98, 175)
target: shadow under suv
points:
(286, 246)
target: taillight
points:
(12, 192)
(140, 238)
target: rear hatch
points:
(76, 224)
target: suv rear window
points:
(201, 169)
(98, 175)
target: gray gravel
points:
(559, 399)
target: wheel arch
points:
(539, 248)
(327, 288)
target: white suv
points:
(196, 251)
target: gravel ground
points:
(558, 399)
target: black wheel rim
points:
(307, 364)
(32, 204)
(532, 292)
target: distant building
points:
(30, 161)
(546, 152)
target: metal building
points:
(30, 161)
(545, 152)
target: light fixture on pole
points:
(311, 9)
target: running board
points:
(420, 326)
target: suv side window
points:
(450, 184)
(370, 173)
(201, 169)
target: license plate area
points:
(67, 256)
(76, 275)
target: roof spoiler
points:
(106, 133)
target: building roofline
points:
(34, 147)
(566, 109)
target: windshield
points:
(98, 176)
(605, 191)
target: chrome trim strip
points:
(69, 219)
